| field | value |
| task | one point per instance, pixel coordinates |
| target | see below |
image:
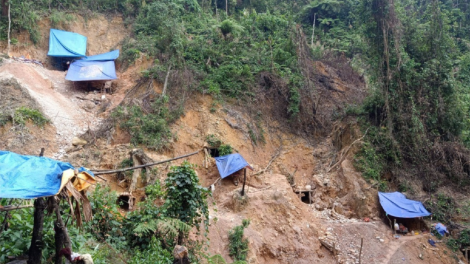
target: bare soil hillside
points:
(283, 228)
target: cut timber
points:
(307, 193)
(278, 152)
(96, 172)
(138, 158)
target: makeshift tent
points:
(28, 177)
(94, 68)
(66, 44)
(396, 204)
(230, 164)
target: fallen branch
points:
(269, 163)
(95, 172)
(343, 155)
(14, 207)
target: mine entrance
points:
(214, 152)
(123, 201)
(306, 196)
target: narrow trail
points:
(395, 244)
(52, 92)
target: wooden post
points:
(466, 254)
(360, 250)
(244, 181)
(62, 239)
(35, 250)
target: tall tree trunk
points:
(313, 31)
(9, 27)
(35, 250)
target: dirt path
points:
(56, 98)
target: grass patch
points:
(23, 113)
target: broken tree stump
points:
(139, 158)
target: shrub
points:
(238, 246)
(225, 150)
(23, 113)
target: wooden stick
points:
(360, 250)
(346, 151)
(143, 166)
(269, 163)
(14, 207)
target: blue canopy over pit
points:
(94, 68)
(66, 44)
(396, 204)
(230, 164)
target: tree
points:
(186, 199)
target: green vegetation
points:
(225, 150)
(238, 245)
(23, 113)
(145, 235)
(149, 128)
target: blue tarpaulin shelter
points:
(94, 68)
(28, 177)
(230, 164)
(396, 204)
(66, 44)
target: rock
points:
(180, 252)
(76, 141)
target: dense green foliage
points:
(186, 199)
(150, 129)
(238, 245)
(145, 235)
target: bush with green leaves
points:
(238, 245)
(186, 199)
(24, 113)
(147, 128)
(106, 224)
(153, 254)
(225, 149)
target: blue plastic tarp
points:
(441, 229)
(396, 204)
(66, 44)
(230, 164)
(82, 70)
(112, 55)
(28, 177)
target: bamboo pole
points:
(95, 172)
(360, 251)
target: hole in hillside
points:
(123, 201)
(61, 63)
(305, 196)
(214, 152)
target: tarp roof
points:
(91, 71)
(28, 177)
(396, 204)
(230, 164)
(66, 44)
(112, 55)
(99, 67)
